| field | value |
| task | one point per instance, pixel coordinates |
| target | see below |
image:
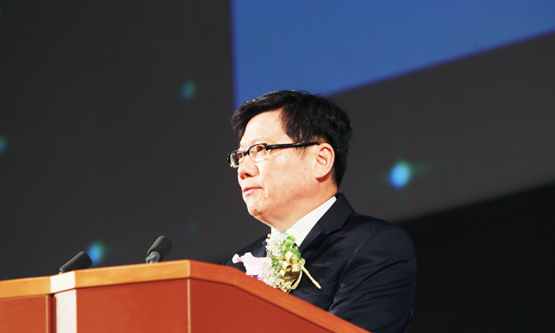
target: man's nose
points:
(247, 168)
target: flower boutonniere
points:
(284, 266)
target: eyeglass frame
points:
(268, 149)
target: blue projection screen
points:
(332, 46)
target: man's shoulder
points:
(371, 232)
(367, 221)
(368, 224)
(343, 219)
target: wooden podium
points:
(26, 305)
(174, 296)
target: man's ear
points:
(325, 157)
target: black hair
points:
(305, 117)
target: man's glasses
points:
(259, 152)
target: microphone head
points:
(159, 249)
(80, 261)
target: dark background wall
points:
(487, 267)
(114, 128)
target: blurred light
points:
(3, 145)
(188, 90)
(96, 251)
(400, 175)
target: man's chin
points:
(256, 211)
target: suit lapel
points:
(333, 220)
(260, 250)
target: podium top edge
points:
(25, 287)
(103, 276)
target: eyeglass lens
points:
(256, 152)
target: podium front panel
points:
(137, 307)
(26, 314)
(218, 307)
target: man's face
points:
(273, 189)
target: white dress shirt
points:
(302, 227)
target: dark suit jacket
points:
(366, 267)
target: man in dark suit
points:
(297, 145)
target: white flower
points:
(283, 268)
(252, 264)
(275, 244)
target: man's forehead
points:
(263, 128)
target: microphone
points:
(159, 250)
(80, 261)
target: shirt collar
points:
(302, 227)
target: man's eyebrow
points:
(253, 142)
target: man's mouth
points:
(249, 190)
